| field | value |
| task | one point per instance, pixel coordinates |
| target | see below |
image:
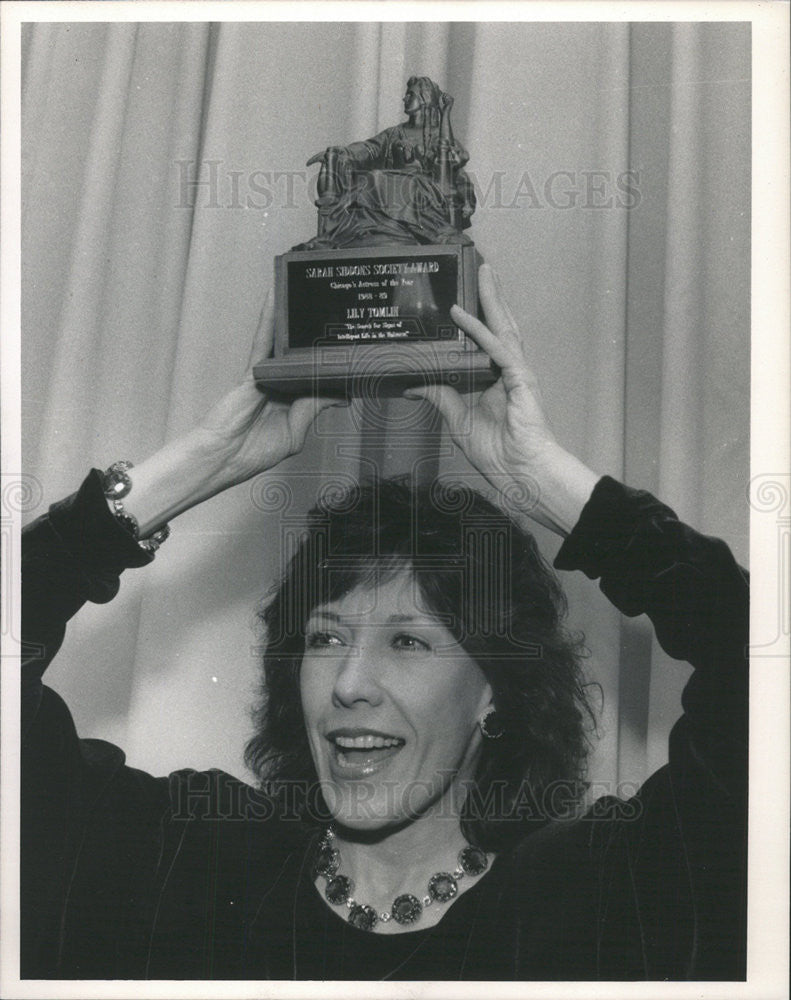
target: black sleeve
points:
(112, 857)
(685, 833)
(73, 554)
(89, 825)
(697, 598)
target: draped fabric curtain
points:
(163, 168)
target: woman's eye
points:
(322, 640)
(410, 643)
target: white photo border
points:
(770, 778)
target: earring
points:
(491, 729)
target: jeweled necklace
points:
(406, 908)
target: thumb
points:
(262, 341)
(305, 410)
(450, 404)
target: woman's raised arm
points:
(76, 552)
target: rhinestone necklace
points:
(406, 908)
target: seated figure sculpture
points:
(406, 185)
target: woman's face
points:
(391, 703)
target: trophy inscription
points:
(381, 298)
(369, 296)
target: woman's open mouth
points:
(358, 753)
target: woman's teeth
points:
(368, 742)
(361, 755)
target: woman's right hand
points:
(245, 433)
(249, 432)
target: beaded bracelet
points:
(116, 484)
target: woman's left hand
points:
(504, 432)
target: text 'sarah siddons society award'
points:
(366, 302)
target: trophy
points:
(364, 306)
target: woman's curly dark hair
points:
(484, 577)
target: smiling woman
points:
(422, 734)
(389, 715)
(428, 630)
(402, 672)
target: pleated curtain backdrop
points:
(163, 168)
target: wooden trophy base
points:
(375, 370)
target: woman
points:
(441, 712)
(393, 188)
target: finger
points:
(264, 335)
(509, 314)
(498, 314)
(451, 406)
(498, 350)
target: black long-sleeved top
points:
(193, 876)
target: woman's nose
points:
(356, 679)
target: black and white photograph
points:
(386, 461)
